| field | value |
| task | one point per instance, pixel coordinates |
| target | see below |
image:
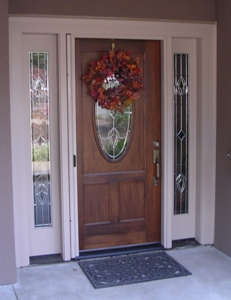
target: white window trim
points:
(206, 139)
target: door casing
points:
(69, 29)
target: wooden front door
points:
(118, 202)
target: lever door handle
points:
(156, 160)
(157, 169)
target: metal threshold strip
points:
(84, 254)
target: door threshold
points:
(85, 254)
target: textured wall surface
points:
(7, 253)
(223, 173)
(194, 10)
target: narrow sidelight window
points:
(40, 137)
(181, 116)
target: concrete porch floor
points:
(210, 280)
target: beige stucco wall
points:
(7, 253)
(196, 10)
(191, 10)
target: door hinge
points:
(74, 160)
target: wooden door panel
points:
(123, 233)
(113, 177)
(127, 199)
(119, 227)
(97, 203)
(105, 241)
(118, 204)
(132, 200)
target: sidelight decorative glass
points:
(113, 131)
(181, 116)
(40, 137)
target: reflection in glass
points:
(181, 98)
(40, 137)
(113, 130)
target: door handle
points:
(157, 169)
(156, 161)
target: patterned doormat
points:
(131, 268)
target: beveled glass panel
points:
(181, 116)
(40, 137)
(113, 131)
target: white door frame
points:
(70, 28)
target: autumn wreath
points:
(114, 80)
